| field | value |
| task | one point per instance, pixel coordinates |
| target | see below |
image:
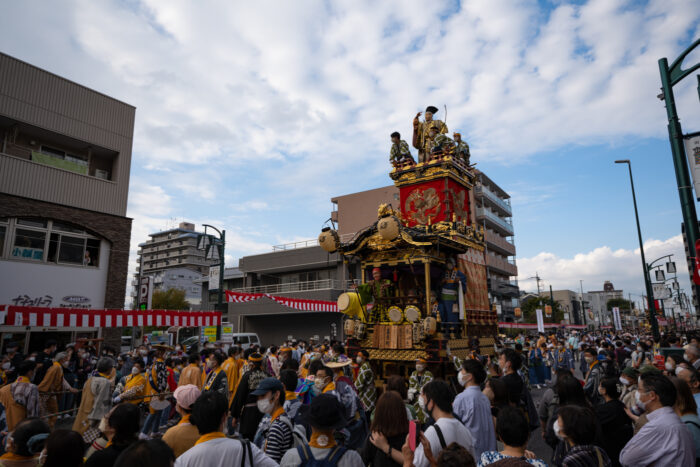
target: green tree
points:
(533, 303)
(170, 299)
(624, 305)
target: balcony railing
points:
(495, 241)
(290, 287)
(502, 265)
(504, 204)
(307, 243)
(500, 222)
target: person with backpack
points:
(274, 434)
(325, 415)
(436, 399)
(213, 448)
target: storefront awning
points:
(82, 318)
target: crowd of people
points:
(608, 400)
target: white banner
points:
(692, 151)
(661, 291)
(540, 320)
(616, 319)
(214, 275)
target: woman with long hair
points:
(389, 429)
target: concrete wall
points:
(299, 259)
(359, 210)
(36, 97)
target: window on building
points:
(3, 230)
(67, 244)
(29, 245)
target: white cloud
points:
(622, 267)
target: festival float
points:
(423, 285)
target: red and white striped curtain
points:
(80, 318)
(295, 303)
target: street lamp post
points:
(583, 312)
(670, 76)
(210, 241)
(647, 280)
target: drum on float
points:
(395, 314)
(412, 313)
(350, 304)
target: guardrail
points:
(504, 224)
(290, 287)
(307, 243)
(503, 204)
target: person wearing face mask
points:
(616, 425)
(436, 399)
(244, 410)
(509, 361)
(274, 435)
(182, 436)
(230, 367)
(364, 383)
(473, 408)
(216, 380)
(25, 444)
(157, 383)
(96, 401)
(628, 379)
(213, 448)
(513, 431)
(692, 355)
(419, 378)
(590, 387)
(134, 386)
(21, 398)
(664, 439)
(577, 427)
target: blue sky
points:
(251, 116)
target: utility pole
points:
(647, 280)
(583, 311)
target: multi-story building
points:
(599, 302)
(65, 157)
(493, 212)
(172, 259)
(571, 303)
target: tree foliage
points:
(533, 303)
(624, 305)
(170, 299)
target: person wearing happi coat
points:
(96, 401)
(53, 382)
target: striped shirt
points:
(279, 438)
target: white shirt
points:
(349, 459)
(222, 452)
(453, 431)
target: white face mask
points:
(589, 360)
(135, 371)
(462, 379)
(358, 360)
(624, 381)
(686, 356)
(211, 364)
(669, 366)
(641, 404)
(265, 405)
(557, 430)
(319, 384)
(678, 370)
(6, 365)
(420, 368)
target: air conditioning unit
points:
(103, 174)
